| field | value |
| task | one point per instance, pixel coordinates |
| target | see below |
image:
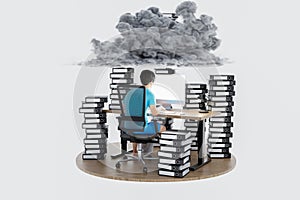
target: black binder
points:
(96, 151)
(195, 100)
(219, 145)
(221, 93)
(95, 146)
(95, 99)
(174, 168)
(90, 110)
(121, 81)
(196, 91)
(220, 109)
(220, 119)
(173, 155)
(96, 120)
(94, 115)
(93, 156)
(114, 107)
(220, 98)
(96, 135)
(225, 114)
(175, 143)
(175, 135)
(195, 86)
(220, 124)
(113, 86)
(178, 174)
(220, 155)
(216, 140)
(122, 91)
(179, 161)
(195, 105)
(221, 77)
(195, 96)
(116, 96)
(221, 83)
(220, 135)
(95, 141)
(220, 104)
(175, 149)
(122, 70)
(96, 130)
(93, 125)
(220, 130)
(93, 105)
(222, 88)
(218, 150)
(164, 71)
(121, 75)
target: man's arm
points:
(154, 112)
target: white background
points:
(41, 40)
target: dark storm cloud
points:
(149, 37)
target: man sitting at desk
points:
(147, 79)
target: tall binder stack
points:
(96, 130)
(195, 98)
(119, 76)
(174, 153)
(220, 98)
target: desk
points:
(185, 114)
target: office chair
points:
(132, 122)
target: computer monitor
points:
(170, 89)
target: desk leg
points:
(202, 159)
(123, 144)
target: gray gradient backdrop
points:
(41, 40)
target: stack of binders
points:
(119, 76)
(174, 153)
(96, 130)
(220, 99)
(195, 98)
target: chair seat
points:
(140, 138)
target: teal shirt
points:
(133, 100)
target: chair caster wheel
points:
(118, 165)
(145, 170)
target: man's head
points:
(147, 77)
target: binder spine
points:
(220, 98)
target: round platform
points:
(132, 171)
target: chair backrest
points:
(132, 117)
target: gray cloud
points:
(152, 37)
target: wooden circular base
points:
(132, 170)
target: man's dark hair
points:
(147, 76)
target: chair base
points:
(141, 157)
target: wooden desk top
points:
(178, 113)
